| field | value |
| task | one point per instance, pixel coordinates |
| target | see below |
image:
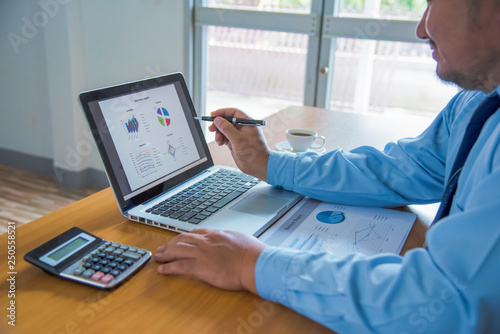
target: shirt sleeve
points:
(450, 288)
(409, 171)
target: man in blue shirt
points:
(450, 287)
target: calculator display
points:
(69, 248)
(65, 250)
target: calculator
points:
(80, 256)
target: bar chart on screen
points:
(132, 128)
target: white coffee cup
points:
(301, 140)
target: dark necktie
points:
(476, 123)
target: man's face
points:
(465, 44)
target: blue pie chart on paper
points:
(330, 217)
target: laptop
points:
(160, 169)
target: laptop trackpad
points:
(260, 205)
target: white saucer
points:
(285, 147)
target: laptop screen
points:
(146, 134)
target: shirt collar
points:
(495, 91)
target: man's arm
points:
(450, 288)
(410, 171)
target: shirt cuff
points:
(271, 273)
(280, 169)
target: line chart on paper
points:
(367, 236)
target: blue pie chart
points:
(330, 217)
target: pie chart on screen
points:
(163, 116)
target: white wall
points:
(25, 124)
(78, 45)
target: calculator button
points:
(124, 247)
(133, 249)
(109, 249)
(106, 279)
(105, 270)
(87, 265)
(101, 248)
(119, 259)
(110, 257)
(116, 245)
(78, 271)
(122, 267)
(96, 267)
(115, 273)
(128, 262)
(94, 259)
(104, 262)
(141, 252)
(107, 244)
(86, 258)
(118, 252)
(131, 256)
(88, 273)
(97, 276)
(113, 265)
(101, 255)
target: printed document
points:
(317, 226)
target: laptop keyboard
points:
(204, 198)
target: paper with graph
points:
(340, 229)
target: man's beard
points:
(479, 76)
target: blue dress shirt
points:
(451, 287)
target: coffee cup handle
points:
(321, 145)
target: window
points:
(349, 55)
(290, 6)
(258, 71)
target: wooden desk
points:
(149, 302)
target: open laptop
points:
(159, 166)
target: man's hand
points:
(246, 142)
(224, 259)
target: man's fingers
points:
(200, 231)
(219, 138)
(226, 129)
(177, 267)
(180, 249)
(212, 128)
